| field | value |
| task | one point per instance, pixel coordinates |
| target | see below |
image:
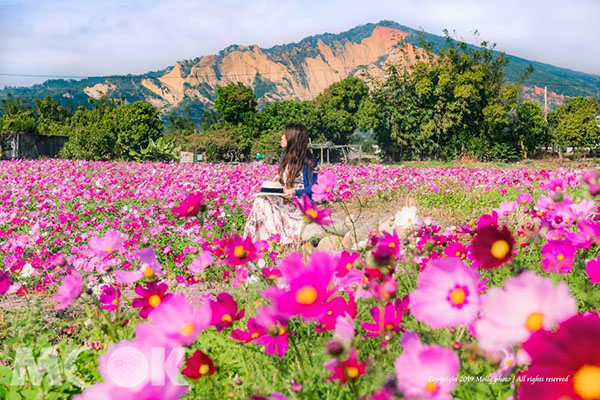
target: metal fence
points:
(17, 145)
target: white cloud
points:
(74, 37)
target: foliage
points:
(269, 145)
(218, 144)
(274, 116)
(235, 102)
(160, 150)
(337, 106)
(574, 124)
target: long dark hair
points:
(297, 153)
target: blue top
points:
(309, 178)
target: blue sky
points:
(104, 37)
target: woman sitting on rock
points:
(277, 214)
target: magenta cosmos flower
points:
(109, 297)
(425, 372)
(179, 320)
(239, 251)
(312, 213)
(151, 296)
(392, 318)
(4, 282)
(68, 291)
(308, 286)
(571, 353)
(199, 365)
(592, 268)
(224, 311)
(348, 369)
(323, 189)
(558, 256)
(492, 247)
(338, 306)
(527, 304)
(446, 294)
(192, 205)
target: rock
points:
(312, 231)
(387, 225)
(330, 243)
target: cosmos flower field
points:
(131, 281)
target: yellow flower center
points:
(557, 188)
(457, 296)
(550, 207)
(392, 245)
(115, 302)
(352, 372)
(254, 335)
(190, 208)
(539, 213)
(389, 327)
(560, 257)
(281, 330)
(349, 266)
(457, 253)
(312, 213)
(203, 370)
(272, 276)
(109, 249)
(328, 190)
(431, 387)
(586, 382)
(187, 330)
(148, 272)
(534, 321)
(226, 317)
(154, 300)
(500, 249)
(239, 252)
(509, 362)
(307, 295)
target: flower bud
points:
(335, 348)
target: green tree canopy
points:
(575, 124)
(235, 102)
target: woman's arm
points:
(308, 188)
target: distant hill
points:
(292, 71)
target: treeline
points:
(442, 106)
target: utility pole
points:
(546, 103)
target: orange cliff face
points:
(297, 73)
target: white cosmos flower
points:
(27, 270)
(406, 217)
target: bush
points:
(161, 150)
(268, 145)
(218, 145)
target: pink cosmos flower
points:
(191, 206)
(558, 256)
(446, 294)
(239, 251)
(592, 268)
(312, 213)
(508, 363)
(392, 318)
(524, 198)
(425, 372)
(308, 286)
(179, 320)
(105, 246)
(344, 331)
(240, 277)
(487, 220)
(224, 311)
(200, 263)
(455, 249)
(68, 291)
(323, 189)
(527, 303)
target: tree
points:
(235, 102)
(135, 125)
(531, 127)
(275, 116)
(336, 108)
(574, 123)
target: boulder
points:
(312, 231)
(330, 243)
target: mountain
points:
(299, 71)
